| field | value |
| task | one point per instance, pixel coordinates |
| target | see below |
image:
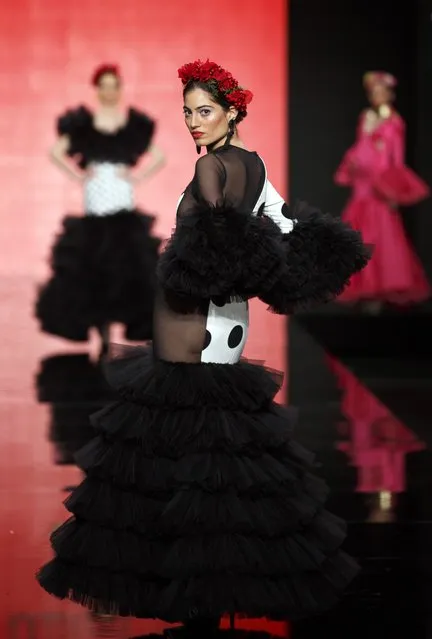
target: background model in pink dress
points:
(374, 167)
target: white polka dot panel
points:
(106, 192)
(226, 333)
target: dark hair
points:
(105, 69)
(211, 87)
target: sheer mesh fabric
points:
(225, 176)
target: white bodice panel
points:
(227, 330)
(106, 192)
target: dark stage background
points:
(380, 402)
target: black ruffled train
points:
(197, 502)
(103, 271)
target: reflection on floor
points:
(364, 413)
(365, 409)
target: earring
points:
(231, 131)
(198, 149)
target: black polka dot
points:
(235, 337)
(285, 211)
(207, 339)
(218, 301)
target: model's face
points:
(206, 120)
(109, 89)
(380, 95)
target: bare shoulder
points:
(366, 113)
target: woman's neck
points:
(108, 109)
(382, 108)
(235, 141)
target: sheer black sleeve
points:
(220, 250)
(209, 180)
(206, 188)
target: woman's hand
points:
(125, 173)
(85, 175)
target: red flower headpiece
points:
(227, 84)
(102, 70)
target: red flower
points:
(248, 95)
(208, 70)
(189, 71)
(239, 98)
(227, 84)
(104, 69)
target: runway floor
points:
(367, 422)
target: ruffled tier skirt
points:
(394, 274)
(103, 271)
(197, 502)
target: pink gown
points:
(374, 165)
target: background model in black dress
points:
(103, 263)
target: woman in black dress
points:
(197, 500)
(103, 263)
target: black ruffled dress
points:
(197, 500)
(103, 263)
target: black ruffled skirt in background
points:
(103, 271)
(197, 502)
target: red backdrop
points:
(47, 52)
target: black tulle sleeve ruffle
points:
(321, 255)
(74, 121)
(87, 144)
(223, 254)
(76, 124)
(140, 131)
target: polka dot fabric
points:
(106, 191)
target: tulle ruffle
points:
(321, 255)
(87, 144)
(103, 271)
(197, 501)
(223, 254)
(400, 185)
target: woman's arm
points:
(218, 250)
(59, 156)
(276, 208)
